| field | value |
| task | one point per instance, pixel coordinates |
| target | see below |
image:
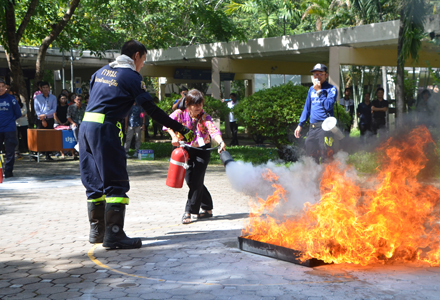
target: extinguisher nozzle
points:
(225, 157)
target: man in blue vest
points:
(113, 90)
(9, 112)
(319, 105)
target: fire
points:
(398, 220)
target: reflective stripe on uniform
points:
(100, 199)
(94, 117)
(121, 134)
(121, 200)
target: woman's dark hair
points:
(17, 96)
(380, 89)
(194, 97)
(131, 47)
(59, 97)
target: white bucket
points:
(329, 124)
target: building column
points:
(162, 86)
(249, 86)
(334, 68)
(215, 78)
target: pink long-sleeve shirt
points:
(205, 127)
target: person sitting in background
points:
(71, 99)
(183, 93)
(134, 124)
(61, 113)
(9, 113)
(45, 106)
(75, 115)
(86, 100)
(22, 127)
(232, 119)
(61, 116)
(201, 123)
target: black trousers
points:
(319, 144)
(198, 195)
(10, 140)
(378, 124)
(50, 123)
(365, 129)
(234, 131)
(22, 138)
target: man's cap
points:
(319, 67)
(2, 81)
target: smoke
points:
(300, 180)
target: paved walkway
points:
(45, 254)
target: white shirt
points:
(231, 105)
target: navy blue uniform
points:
(9, 112)
(319, 143)
(102, 156)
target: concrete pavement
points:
(45, 254)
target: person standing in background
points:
(364, 114)
(379, 108)
(232, 119)
(9, 113)
(22, 127)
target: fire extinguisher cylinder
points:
(177, 168)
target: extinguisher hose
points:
(182, 144)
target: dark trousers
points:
(22, 138)
(198, 195)
(378, 124)
(157, 128)
(10, 140)
(365, 129)
(319, 144)
(102, 161)
(50, 123)
(234, 131)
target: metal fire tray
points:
(277, 252)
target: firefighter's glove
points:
(188, 135)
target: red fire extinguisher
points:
(177, 168)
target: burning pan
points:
(277, 252)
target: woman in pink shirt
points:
(201, 123)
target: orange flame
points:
(399, 220)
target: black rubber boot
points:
(115, 237)
(97, 221)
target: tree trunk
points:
(13, 56)
(400, 89)
(47, 41)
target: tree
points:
(411, 31)
(12, 33)
(269, 14)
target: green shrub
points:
(273, 113)
(215, 108)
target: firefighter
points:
(319, 105)
(113, 90)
